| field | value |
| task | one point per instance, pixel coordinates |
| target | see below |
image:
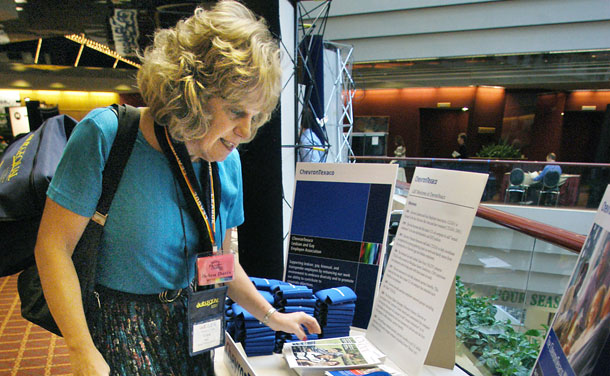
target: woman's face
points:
(230, 125)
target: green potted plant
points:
(500, 150)
(496, 345)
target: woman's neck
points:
(147, 126)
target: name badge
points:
(206, 320)
(215, 269)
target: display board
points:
(418, 284)
(338, 228)
(578, 340)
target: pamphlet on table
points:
(311, 358)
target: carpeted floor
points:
(26, 349)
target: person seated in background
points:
(538, 177)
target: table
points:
(569, 187)
(275, 365)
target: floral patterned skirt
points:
(140, 336)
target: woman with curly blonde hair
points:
(209, 83)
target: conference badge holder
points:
(206, 319)
(218, 268)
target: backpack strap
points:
(85, 254)
(129, 122)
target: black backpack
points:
(26, 168)
(33, 304)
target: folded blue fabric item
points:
(294, 338)
(340, 312)
(268, 296)
(336, 295)
(276, 286)
(332, 325)
(240, 311)
(340, 317)
(260, 340)
(335, 334)
(263, 283)
(290, 286)
(323, 307)
(258, 351)
(261, 347)
(293, 292)
(265, 330)
(308, 302)
(255, 336)
(341, 307)
(253, 324)
(307, 310)
(338, 323)
(263, 352)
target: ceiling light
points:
(20, 83)
(122, 87)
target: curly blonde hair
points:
(224, 52)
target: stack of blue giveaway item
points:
(335, 311)
(293, 298)
(333, 308)
(255, 337)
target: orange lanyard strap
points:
(180, 161)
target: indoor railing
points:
(581, 185)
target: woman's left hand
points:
(294, 323)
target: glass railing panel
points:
(581, 184)
(509, 287)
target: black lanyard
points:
(203, 213)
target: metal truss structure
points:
(325, 88)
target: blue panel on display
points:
(330, 210)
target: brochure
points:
(375, 371)
(318, 356)
(579, 337)
(380, 370)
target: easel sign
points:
(413, 319)
(236, 359)
(338, 231)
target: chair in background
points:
(516, 179)
(550, 186)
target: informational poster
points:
(578, 340)
(338, 229)
(435, 224)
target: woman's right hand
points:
(88, 362)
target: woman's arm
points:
(60, 231)
(242, 290)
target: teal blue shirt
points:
(142, 248)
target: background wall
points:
(535, 119)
